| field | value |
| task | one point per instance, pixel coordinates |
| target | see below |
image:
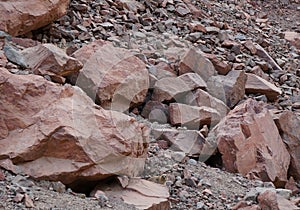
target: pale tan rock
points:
(57, 133)
(256, 84)
(250, 143)
(47, 59)
(194, 61)
(21, 16)
(289, 126)
(113, 77)
(230, 88)
(193, 117)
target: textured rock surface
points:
(289, 127)
(171, 88)
(193, 61)
(230, 88)
(256, 84)
(57, 133)
(188, 141)
(20, 16)
(250, 143)
(202, 98)
(113, 76)
(47, 59)
(193, 117)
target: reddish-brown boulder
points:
(256, 84)
(193, 117)
(270, 200)
(202, 98)
(21, 16)
(114, 77)
(250, 143)
(230, 88)
(193, 80)
(170, 88)
(188, 141)
(289, 127)
(47, 59)
(194, 61)
(57, 133)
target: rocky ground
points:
(150, 29)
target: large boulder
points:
(289, 127)
(57, 133)
(250, 143)
(112, 76)
(21, 16)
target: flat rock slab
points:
(256, 84)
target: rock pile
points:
(211, 81)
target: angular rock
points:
(293, 38)
(57, 133)
(193, 80)
(156, 112)
(269, 200)
(250, 143)
(289, 126)
(194, 61)
(202, 98)
(188, 141)
(47, 59)
(222, 67)
(193, 117)
(291, 185)
(21, 16)
(260, 51)
(256, 84)
(170, 88)
(230, 88)
(114, 77)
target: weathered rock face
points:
(57, 133)
(156, 111)
(193, 117)
(20, 16)
(269, 200)
(256, 84)
(289, 126)
(47, 59)
(230, 88)
(170, 88)
(188, 141)
(193, 61)
(113, 76)
(250, 143)
(193, 80)
(202, 98)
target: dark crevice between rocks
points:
(86, 187)
(215, 160)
